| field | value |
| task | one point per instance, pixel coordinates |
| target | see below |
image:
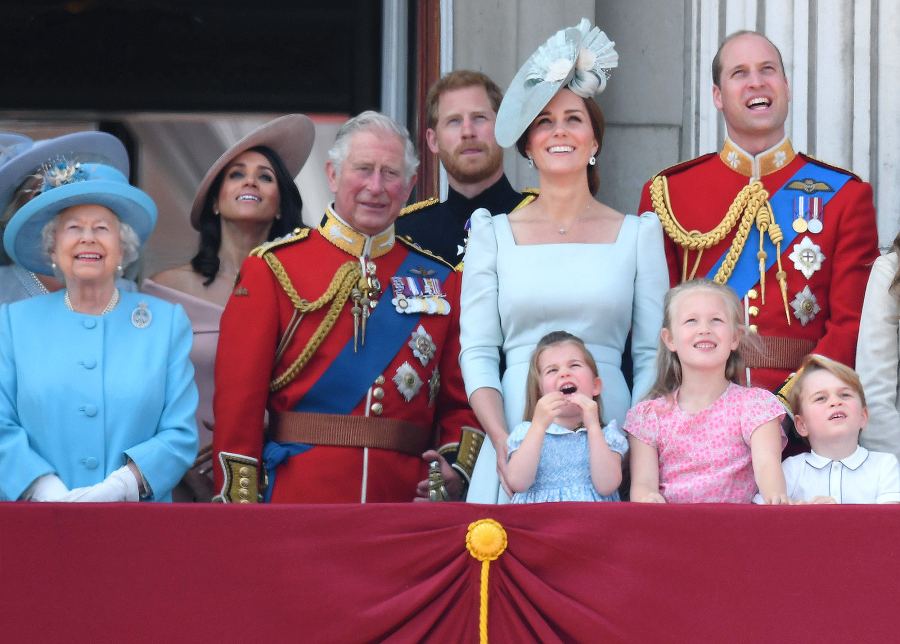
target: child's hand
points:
(653, 497)
(777, 499)
(589, 412)
(818, 500)
(548, 407)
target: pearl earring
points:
(530, 162)
(592, 160)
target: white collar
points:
(853, 461)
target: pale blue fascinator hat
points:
(67, 183)
(578, 58)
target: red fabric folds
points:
(349, 573)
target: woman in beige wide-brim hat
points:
(247, 197)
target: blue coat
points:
(80, 392)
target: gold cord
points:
(336, 295)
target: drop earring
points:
(530, 162)
(592, 160)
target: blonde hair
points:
(668, 366)
(815, 362)
(533, 382)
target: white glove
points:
(119, 486)
(48, 487)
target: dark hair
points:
(206, 261)
(717, 59)
(459, 79)
(598, 124)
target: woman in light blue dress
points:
(565, 261)
(97, 394)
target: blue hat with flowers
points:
(578, 58)
(68, 183)
(20, 157)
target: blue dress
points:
(564, 472)
(79, 393)
(514, 295)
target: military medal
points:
(807, 257)
(419, 293)
(805, 306)
(141, 316)
(422, 345)
(434, 386)
(816, 209)
(799, 224)
(407, 380)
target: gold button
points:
(244, 482)
(244, 471)
(244, 494)
(379, 380)
(753, 310)
(244, 501)
(378, 393)
(753, 328)
(377, 408)
(752, 294)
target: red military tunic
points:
(824, 304)
(420, 384)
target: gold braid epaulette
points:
(419, 205)
(745, 207)
(294, 236)
(336, 294)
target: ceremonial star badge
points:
(407, 380)
(805, 306)
(422, 345)
(807, 257)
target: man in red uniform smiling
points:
(793, 236)
(350, 339)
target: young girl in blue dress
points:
(564, 453)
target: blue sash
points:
(350, 375)
(746, 270)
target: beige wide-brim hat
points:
(290, 137)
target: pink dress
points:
(204, 318)
(705, 457)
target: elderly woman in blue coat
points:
(97, 394)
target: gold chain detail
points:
(336, 294)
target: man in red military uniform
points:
(350, 339)
(793, 236)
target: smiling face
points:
(561, 139)
(702, 330)
(371, 187)
(88, 246)
(562, 367)
(830, 411)
(463, 137)
(249, 190)
(753, 93)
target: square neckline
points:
(515, 242)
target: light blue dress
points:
(79, 393)
(564, 471)
(514, 295)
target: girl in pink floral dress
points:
(701, 437)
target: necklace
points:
(109, 307)
(40, 285)
(562, 230)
